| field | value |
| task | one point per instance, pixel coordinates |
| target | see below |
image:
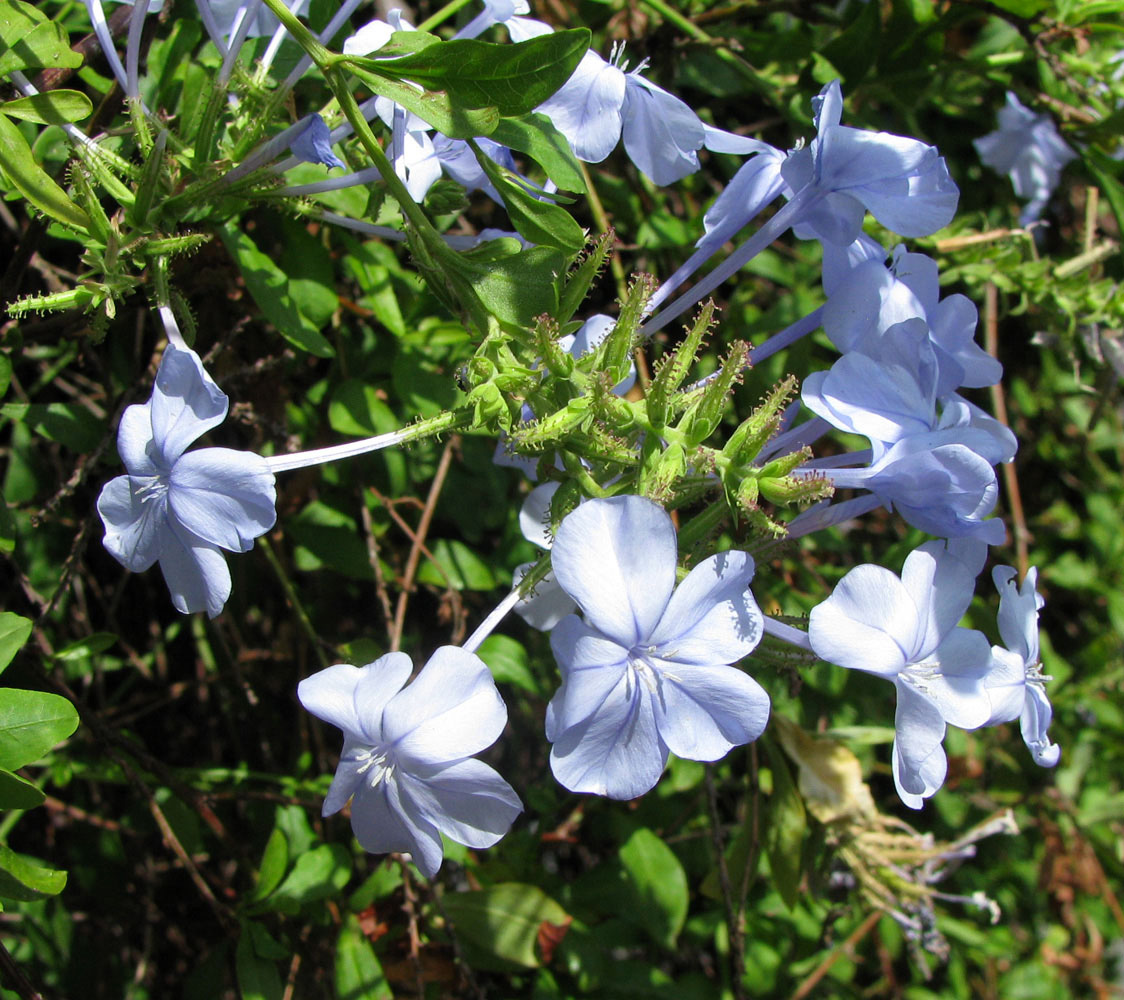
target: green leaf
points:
(359, 975)
(535, 135)
(274, 861)
(659, 886)
(258, 978)
(5, 373)
(540, 222)
(70, 424)
(269, 287)
(23, 879)
(460, 568)
(55, 107)
(515, 285)
(318, 873)
(357, 410)
(14, 631)
(433, 107)
(1106, 171)
(786, 826)
(503, 921)
(26, 43)
(507, 660)
(82, 649)
(1022, 8)
(31, 723)
(32, 181)
(18, 793)
(514, 79)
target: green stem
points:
(294, 600)
(443, 14)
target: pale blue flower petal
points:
(591, 666)
(1018, 611)
(1036, 717)
(451, 710)
(382, 823)
(919, 757)
(617, 751)
(712, 618)
(616, 558)
(703, 712)
(587, 109)
(194, 570)
(348, 779)
(1006, 686)
(963, 659)
(185, 404)
(135, 444)
(314, 144)
(867, 623)
(940, 586)
(133, 527)
(661, 134)
(224, 496)
(547, 606)
(466, 800)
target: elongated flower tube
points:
(648, 671)
(407, 764)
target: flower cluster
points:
(650, 626)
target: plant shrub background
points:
(186, 807)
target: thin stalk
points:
(487, 626)
(443, 14)
(294, 600)
(770, 231)
(787, 633)
(446, 421)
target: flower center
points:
(378, 762)
(147, 488)
(921, 675)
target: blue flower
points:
(1017, 686)
(1028, 148)
(648, 671)
(905, 629)
(407, 764)
(181, 509)
(314, 143)
(902, 182)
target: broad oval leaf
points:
(31, 723)
(24, 879)
(18, 793)
(31, 46)
(659, 885)
(359, 975)
(14, 630)
(503, 921)
(55, 107)
(513, 79)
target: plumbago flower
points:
(648, 671)
(1026, 147)
(407, 765)
(1016, 685)
(181, 509)
(905, 629)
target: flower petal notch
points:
(180, 509)
(649, 671)
(407, 764)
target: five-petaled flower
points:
(1016, 684)
(407, 764)
(649, 670)
(180, 509)
(906, 631)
